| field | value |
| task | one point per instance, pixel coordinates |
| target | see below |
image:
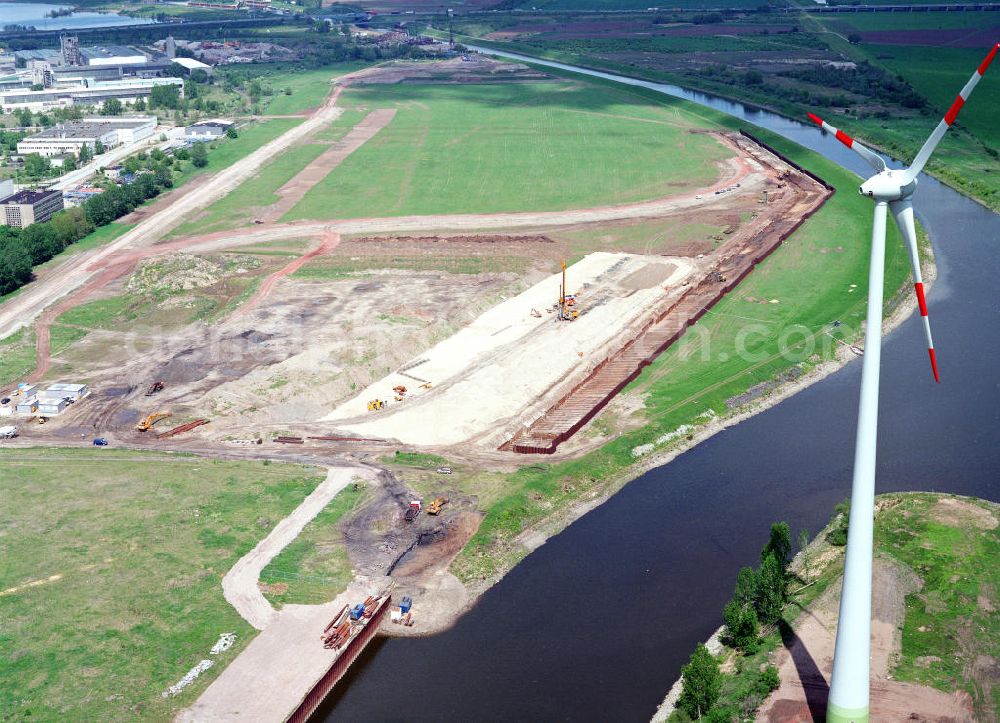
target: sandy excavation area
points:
(503, 369)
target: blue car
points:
(100, 442)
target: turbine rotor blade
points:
(935, 137)
(903, 211)
(874, 159)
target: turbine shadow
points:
(814, 684)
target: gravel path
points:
(240, 584)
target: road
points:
(26, 306)
(240, 584)
(109, 158)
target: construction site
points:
(484, 338)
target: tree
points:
(780, 545)
(15, 262)
(746, 587)
(69, 164)
(85, 154)
(199, 156)
(112, 106)
(741, 627)
(231, 132)
(98, 147)
(770, 590)
(36, 166)
(139, 104)
(23, 116)
(701, 683)
(164, 96)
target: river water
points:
(36, 15)
(596, 623)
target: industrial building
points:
(112, 55)
(66, 390)
(86, 92)
(27, 207)
(72, 136)
(190, 65)
(207, 130)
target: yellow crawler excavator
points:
(152, 419)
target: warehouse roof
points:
(30, 196)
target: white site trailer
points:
(8, 432)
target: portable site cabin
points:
(51, 405)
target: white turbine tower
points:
(889, 189)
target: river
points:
(36, 15)
(596, 623)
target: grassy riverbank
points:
(699, 381)
(965, 159)
(111, 579)
(935, 638)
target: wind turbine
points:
(890, 190)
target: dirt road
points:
(806, 661)
(328, 244)
(240, 584)
(293, 191)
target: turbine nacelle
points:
(889, 185)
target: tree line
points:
(758, 601)
(23, 249)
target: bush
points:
(838, 533)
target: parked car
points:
(5, 400)
(100, 442)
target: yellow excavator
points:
(376, 405)
(436, 505)
(152, 419)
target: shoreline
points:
(534, 537)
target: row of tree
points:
(23, 249)
(759, 599)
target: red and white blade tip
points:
(838, 134)
(934, 365)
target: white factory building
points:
(85, 92)
(72, 136)
(112, 55)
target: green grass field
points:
(315, 568)
(512, 147)
(951, 634)
(309, 87)
(238, 208)
(691, 382)
(233, 149)
(17, 356)
(130, 551)
(918, 21)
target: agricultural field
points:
(511, 147)
(111, 579)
